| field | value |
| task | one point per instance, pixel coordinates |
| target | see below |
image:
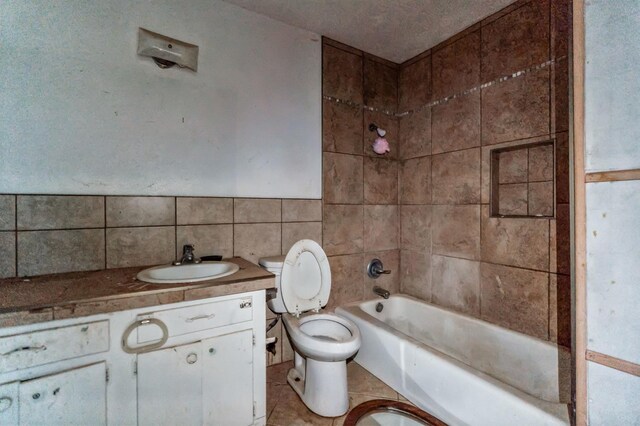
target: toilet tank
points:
(274, 264)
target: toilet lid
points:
(305, 282)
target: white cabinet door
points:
(227, 379)
(170, 386)
(74, 397)
(9, 403)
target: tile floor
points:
(284, 408)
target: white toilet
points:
(322, 342)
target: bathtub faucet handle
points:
(375, 268)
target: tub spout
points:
(381, 292)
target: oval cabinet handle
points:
(5, 403)
(146, 348)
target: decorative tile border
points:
(451, 97)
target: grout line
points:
(15, 232)
(105, 231)
(175, 227)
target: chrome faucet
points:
(381, 292)
(187, 256)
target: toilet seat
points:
(313, 342)
(306, 278)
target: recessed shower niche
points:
(523, 180)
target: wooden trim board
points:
(613, 362)
(613, 176)
(580, 215)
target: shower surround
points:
(501, 83)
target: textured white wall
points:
(82, 114)
(613, 225)
(612, 35)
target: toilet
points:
(322, 342)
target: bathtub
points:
(463, 370)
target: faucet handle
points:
(375, 268)
(188, 249)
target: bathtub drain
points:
(379, 307)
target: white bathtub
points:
(463, 370)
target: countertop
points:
(75, 294)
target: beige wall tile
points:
(140, 211)
(563, 184)
(140, 246)
(7, 254)
(516, 108)
(343, 178)
(516, 41)
(287, 349)
(455, 284)
(415, 224)
(301, 210)
(277, 333)
(456, 231)
(541, 199)
(341, 127)
(380, 85)
(513, 166)
(59, 212)
(560, 309)
(456, 124)
(415, 134)
(541, 163)
(254, 210)
(294, 232)
(207, 239)
(515, 241)
(7, 212)
(342, 231)
(415, 268)
(347, 280)
(253, 241)
(341, 74)
(513, 199)
(414, 84)
(201, 210)
(560, 106)
(560, 241)
(381, 227)
(50, 252)
(391, 261)
(415, 181)
(380, 181)
(456, 67)
(384, 121)
(455, 177)
(515, 298)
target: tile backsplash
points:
(45, 234)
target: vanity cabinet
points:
(190, 363)
(210, 382)
(65, 398)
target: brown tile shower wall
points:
(510, 271)
(360, 202)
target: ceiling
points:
(395, 30)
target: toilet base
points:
(321, 385)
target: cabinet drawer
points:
(56, 344)
(196, 318)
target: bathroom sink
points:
(187, 273)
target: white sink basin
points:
(188, 273)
